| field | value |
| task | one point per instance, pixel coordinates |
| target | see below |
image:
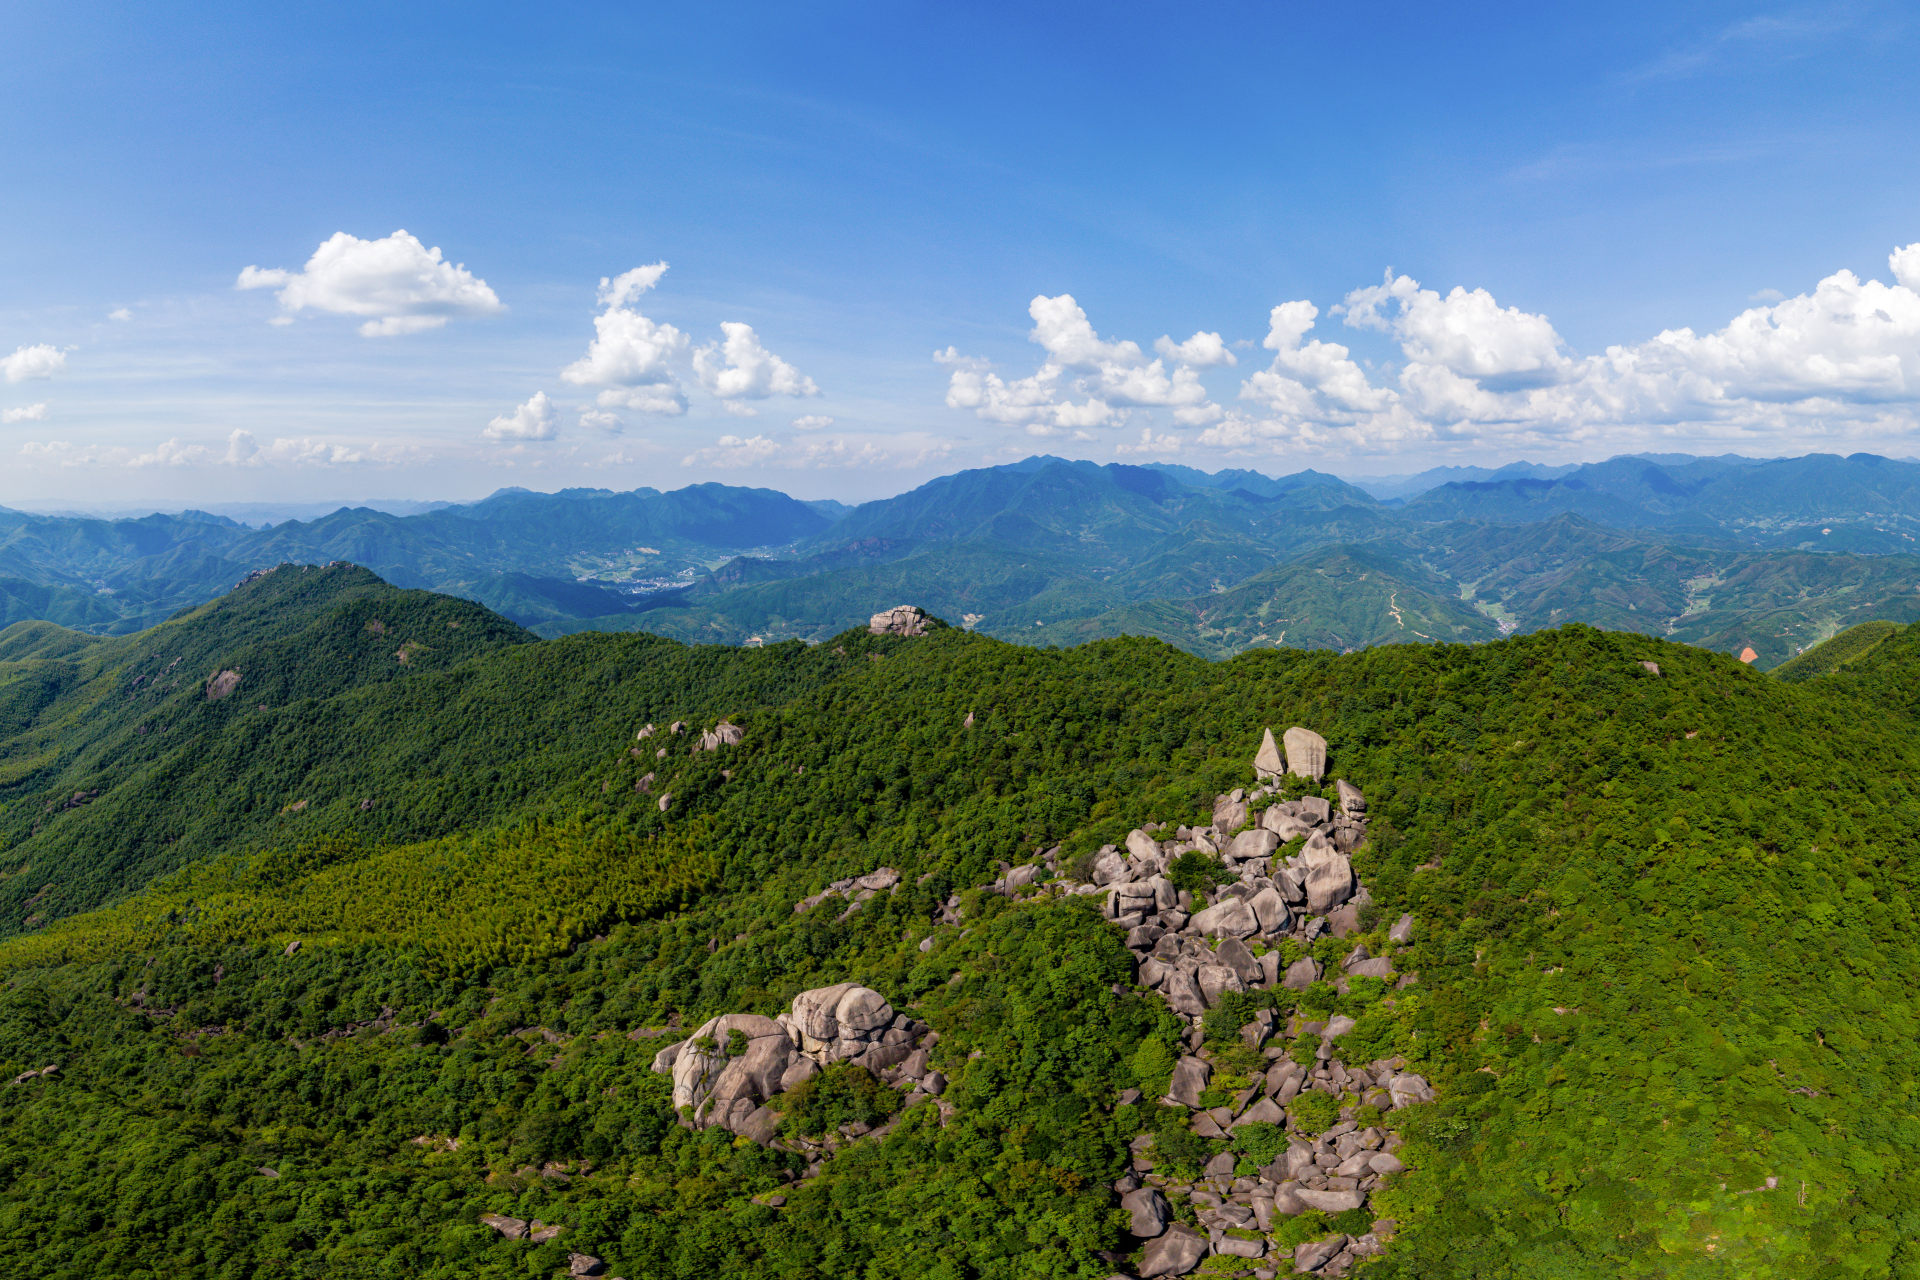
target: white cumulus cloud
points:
(1906, 266)
(38, 361)
(1201, 351)
(734, 451)
(397, 284)
(25, 413)
(1464, 332)
(532, 420)
(740, 367)
(631, 357)
(1157, 444)
(812, 422)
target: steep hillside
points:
(123, 759)
(1659, 968)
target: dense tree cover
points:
(1666, 954)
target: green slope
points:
(1845, 649)
(1666, 958)
(1339, 598)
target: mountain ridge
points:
(1055, 542)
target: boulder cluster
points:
(724, 734)
(1293, 880)
(727, 1071)
(1290, 883)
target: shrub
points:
(1314, 1112)
(844, 1093)
(1260, 1143)
(1196, 872)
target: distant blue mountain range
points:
(1730, 552)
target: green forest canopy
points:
(1666, 954)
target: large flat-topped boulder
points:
(836, 1022)
(1306, 753)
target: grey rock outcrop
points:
(1352, 803)
(901, 620)
(1270, 911)
(838, 1022)
(1229, 813)
(731, 1066)
(1257, 843)
(1329, 877)
(1231, 917)
(724, 734)
(707, 1071)
(1408, 1089)
(1231, 933)
(1331, 1201)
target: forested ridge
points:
(1666, 959)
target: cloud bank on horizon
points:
(1837, 363)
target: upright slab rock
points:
(1266, 761)
(1190, 1078)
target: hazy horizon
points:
(302, 509)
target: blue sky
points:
(1372, 237)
